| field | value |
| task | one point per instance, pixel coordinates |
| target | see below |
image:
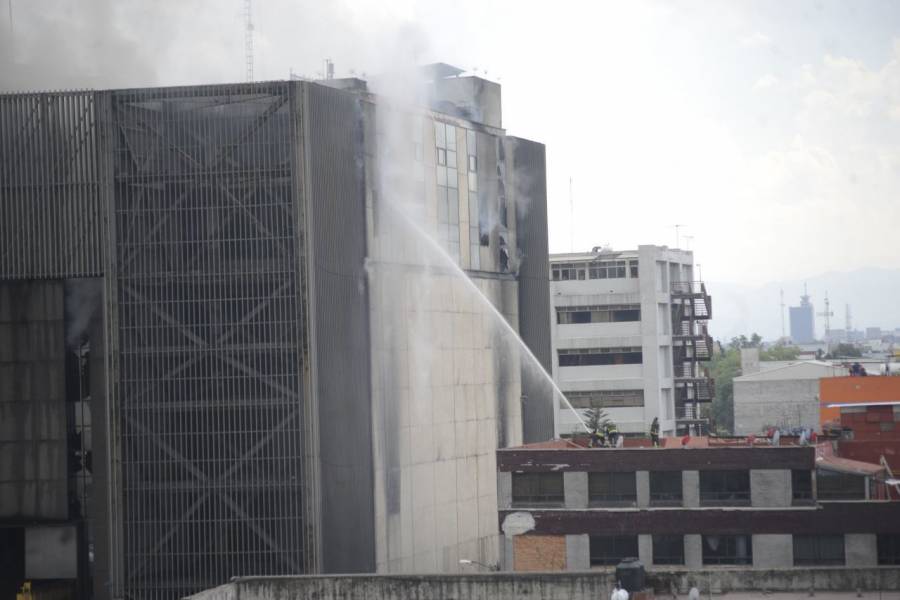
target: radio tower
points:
(248, 38)
(827, 314)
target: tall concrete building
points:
(229, 345)
(803, 321)
(629, 336)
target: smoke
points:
(83, 303)
(61, 44)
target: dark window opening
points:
(801, 486)
(597, 314)
(609, 550)
(813, 550)
(612, 488)
(832, 485)
(665, 488)
(605, 398)
(725, 487)
(600, 356)
(889, 548)
(633, 267)
(727, 550)
(537, 489)
(504, 256)
(668, 550)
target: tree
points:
(724, 367)
(780, 352)
(596, 419)
(845, 351)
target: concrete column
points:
(575, 487)
(507, 553)
(690, 488)
(773, 551)
(861, 549)
(645, 549)
(693, 550)
(578, 552)
(504, 490)
(642, 481)
(770, 487)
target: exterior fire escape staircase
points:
(691, 346)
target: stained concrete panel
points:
(861, 549)
(575, 488)
(770, 487)
(773, 551)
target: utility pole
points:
(248, 39)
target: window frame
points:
(541, 482)
(666, 498)
(805, 494)
(668, 559)
(612, 556)
(740, 496)
(816, 544)
(839, 492)
(620, 486)
(888, 549)
(732, 558)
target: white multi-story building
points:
(628, 333)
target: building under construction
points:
(219, 353)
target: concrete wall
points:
(861, 549)
(578, 552)
(585, 585)
(770, 487)
(575, 487)
(446, 379)
(771, 551)
(690, 489)
(783, 403)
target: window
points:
(609, 550)
(633, 268)
(665, 488)
(727, 550)
(537, 489)
(568, 271)
(447, 187)
(612, 488)
(725, 487)
(608, 269)
(815, 550)
(605, 398)
(615, 313)
(801, 486)
(668, 550)
(472, 194)
(832, 485)
(889, 548)
(600, 356)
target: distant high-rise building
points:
(803, 321)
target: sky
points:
(770, 130)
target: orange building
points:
(854, 390)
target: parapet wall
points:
(570, 586)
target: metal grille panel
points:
(210, 326)
(49, 203)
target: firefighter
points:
(654, 432)
(612, 434)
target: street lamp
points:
(466, 561)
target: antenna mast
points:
(248, 38)
(827, 314)
(782, 312)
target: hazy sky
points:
(770, 129)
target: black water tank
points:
(630, 573)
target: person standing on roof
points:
(654, 432)
(612, 434)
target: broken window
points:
(597, 314)
(727, 550)
(612, 488)
(727, 488)
(818, 550)
(474, 216)
(668, 550)
(447, 178)
(609, 550)
(537, 489)
(665, 488)
(504, 256)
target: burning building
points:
(255, 329)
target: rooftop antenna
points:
(827, 314)
(677, 240)
(571, 218)
(248, 38)
(781, 305)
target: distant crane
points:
(248, 38)
(827, 314)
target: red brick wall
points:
(539, 553)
